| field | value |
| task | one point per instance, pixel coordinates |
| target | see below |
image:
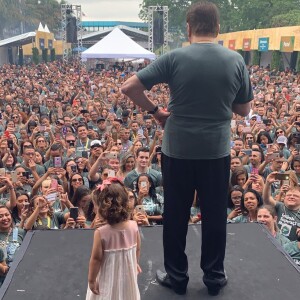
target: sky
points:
(109, 10)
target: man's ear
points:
(189, 31)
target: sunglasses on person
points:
(281, 131)
(77, 180)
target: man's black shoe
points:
(214, 291)
(164, 280)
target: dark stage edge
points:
(55, 266)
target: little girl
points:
(114, 265)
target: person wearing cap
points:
(96, 150)
(252, 120)
(282, 142)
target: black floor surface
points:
(55, 266)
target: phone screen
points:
(85, 154)
(14, 177)
(54, 184)
(57, 162)
(140, 209)
(74, 213)
(2, 171)
(143, 184)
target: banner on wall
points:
(287, 43)
(263, 44)
(246, 44)
(42, 43)
(50, 44)
(231, 44)
(221, 43)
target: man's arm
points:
(241, 109)
(134, 89)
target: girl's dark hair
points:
(152, 192)
(4, 206)
(266, 134)
(235, 188)
(14, 212)
(70, 127)
(129, 190)
(43, 158)
(31, 123)
(275, 131)
(296, 158)
(15, 160)
(238, 171)
(113, 204)
(292, 139)
(81, 192)
(65, 166)
(257, 195)
(71, 189)
(124, 160)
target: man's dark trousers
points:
(210, 178)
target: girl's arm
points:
(95, 262)
(12, 195)
(138, 252)
(32, 219)
(38, 183)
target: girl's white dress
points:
(118, 272)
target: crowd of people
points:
(68, 134)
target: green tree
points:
(28, 14)
(35, 55)
(45, 11)
(235, 15)
(10, 15)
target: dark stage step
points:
(54, 264)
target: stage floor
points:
(55, 266)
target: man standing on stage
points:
(207, 84)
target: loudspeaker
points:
(21, 57)
(71, 30)
(293, 61)
(247, 57)
(10, 55)
(158, 30)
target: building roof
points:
(135, 34)
(18, 40)
(104, 24)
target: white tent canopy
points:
(117, 45)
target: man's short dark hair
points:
(142, 149)
(82, 125)
(204, 19)
(55, 147)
